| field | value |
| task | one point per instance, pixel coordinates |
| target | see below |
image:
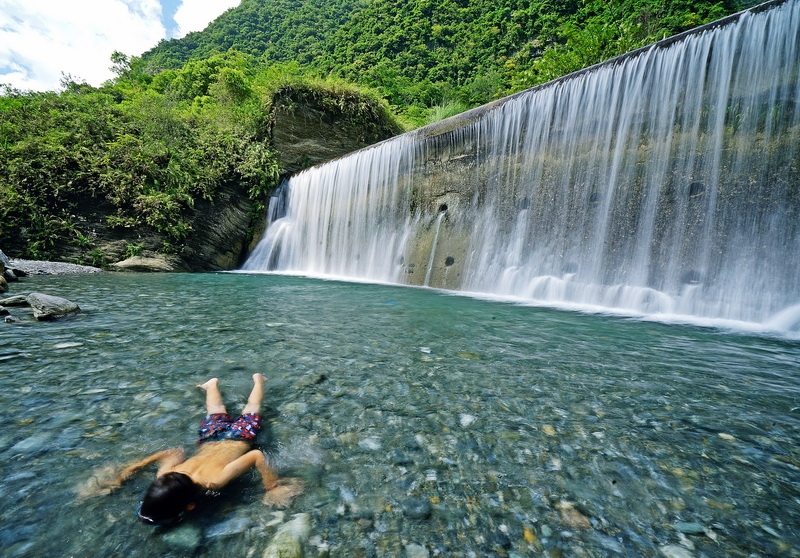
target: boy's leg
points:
(214, 404)
(254, 400)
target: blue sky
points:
(42, 39)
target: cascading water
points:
(432, 258)
(666, 181)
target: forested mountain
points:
(424, 53)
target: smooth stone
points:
(186, 537)
(33, 444)
(233, 526)
(416, 551)
(372, 443)
(417, 509)
(466, 419)
(288, 540)
(156, 264)
(16, 300)
(689, 528)
(675, 551)
(48, 307)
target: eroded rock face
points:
(222, 230)
(308, 129)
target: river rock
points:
(3, 284)
(416, 551)
(289, 539)
(186, 537)
(155, 263)
(233, 526)
(48, 307)
(417, 509)
(675, 551)
(689, 528)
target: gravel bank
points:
(34, 267)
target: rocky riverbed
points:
(37, 267)
(37, 305)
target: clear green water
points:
(415, 417)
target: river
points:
(417, 419)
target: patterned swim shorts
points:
(221, 426)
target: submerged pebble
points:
(417, 509)
(675, 551)
(689, 528)
(233, 526)
(185, 537)
(416, 551)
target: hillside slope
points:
(424, 53)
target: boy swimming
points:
(224, 453)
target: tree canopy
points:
(421, 54)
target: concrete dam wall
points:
(666, 181)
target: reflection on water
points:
(467, 427)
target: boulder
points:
(48, 307)
(154, 263)
(3, 284)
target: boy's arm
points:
(279, 492)
(108, 479)
(166, 460)
(253, 458)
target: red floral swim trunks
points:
(221, 426)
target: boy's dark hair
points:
(167, 499)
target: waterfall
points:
(666, 181)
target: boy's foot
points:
(209, 384)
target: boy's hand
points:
(283, 492)
(104, 480)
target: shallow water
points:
(469, 427)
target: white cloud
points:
(40, 39)
(195, 15)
